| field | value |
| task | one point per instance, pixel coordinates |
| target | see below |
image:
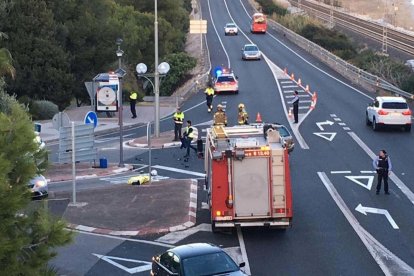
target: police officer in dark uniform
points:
(295, 103)
(382, 164)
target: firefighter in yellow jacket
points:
(209, 97)
(242, 116)
(220, 117)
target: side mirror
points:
(237, 77)
(243, 264)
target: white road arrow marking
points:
(365, 210)
(357, 178)
(326, 135)
(145, 266)
(178, 170)
(327, 122)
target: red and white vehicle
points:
(226, 81)
(248, 177)
(259, 23)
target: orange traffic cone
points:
(258, 118)
(292, 76)
(290, 113)
(299, 82)
(307, 88)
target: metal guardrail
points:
(348, 70)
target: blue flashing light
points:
(218, 71)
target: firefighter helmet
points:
(219, 107)
(241, 105)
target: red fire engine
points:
(248, 177)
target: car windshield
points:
(250, 48)
(231, 26)
(283, 132)
(394, 105)
(209, 264)
(225, 79)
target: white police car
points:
(224, 80)
(231, 29)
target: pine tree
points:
(28, 233)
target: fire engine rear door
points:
(251, 187)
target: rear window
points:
(283, 131)
(250, 48)
(392, 105)
(225, 79)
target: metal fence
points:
(355, 74)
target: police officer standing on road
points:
(178, 124)
(188, 138)
(133, 101)
(295, 103)
(242, 116)
(220, 117)
(209, 97)
(382, 164)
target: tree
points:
(6, 66)
(28, 233)
(42, 64)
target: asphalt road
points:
(332, 176)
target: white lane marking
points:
(337, 119)
(112, 148)
(365, 210)
(287, 91)
(282, 82)
(333, 115)
(299, 96)
(321, 124)
(175, 237)
(304, 107)
(290, 86)
(243, 251)
(178, 170)
(305, 101)
(145, 266)
(347, 128)
(122, 239)
(389, 263)
(342, 124)
(218, 36)
(326, 135)
(368, 172)
(356, 179)
(406, 191)
(337, 172)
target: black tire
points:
(367, 121)
(374, 125)
(214, 228)
(407, 128)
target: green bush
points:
(181, 64)
(43, 110)
(269, 7)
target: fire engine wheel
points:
(214, 229)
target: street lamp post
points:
(161, 70)
(156, 74)
(121, 73)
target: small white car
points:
(226, 82)
(389, 111)
(38, 187)
(231, 29)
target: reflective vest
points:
(242, 117)
(209, 91)
(133, 95)
(178, 117)
(189, 132)
(220, 118)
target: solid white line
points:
(389, 263)
(406, 191)
(178, 170)
(218, 36)
(289, 86)
(336, 172)
(243, 251)
(300, 96)
(123, 239)
(368, 171)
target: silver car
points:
(38, 187)
(251, 51)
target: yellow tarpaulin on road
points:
(138, 180)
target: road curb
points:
(90, 176)
(192, 216)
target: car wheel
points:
(374, 124)
(367, 121)
(407, 128)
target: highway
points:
(340, 226)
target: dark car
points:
(195, 259)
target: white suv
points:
(231, 29)
(392, 111)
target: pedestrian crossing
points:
(288, 87)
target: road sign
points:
(91, 118)
(60, 119)
(198, 26)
